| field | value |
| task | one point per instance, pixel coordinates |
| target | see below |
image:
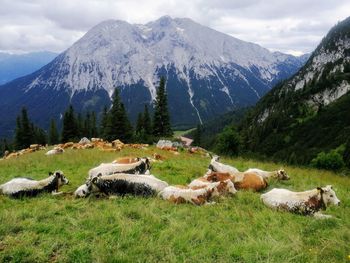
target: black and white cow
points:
(139, 167)
(20, 187)
(121, 184)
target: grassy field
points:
(238, 229)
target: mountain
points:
(13, 66)
(310, 112)
(208, 73)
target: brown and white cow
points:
(241, 181)
(279, 174)
(183, 194)
(306, 203)
(225, 187)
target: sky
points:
(289, 26)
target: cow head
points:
(61, 179)
(282, 175)
(328, 195)
(226, 187)
(82, 191)
(147, 163)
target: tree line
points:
(114, 124)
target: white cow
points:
(305, 203)
(216, 166)
(138, 167)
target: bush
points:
(329, 161)
(228, 142)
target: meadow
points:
(132, 229)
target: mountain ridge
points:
(208, 73)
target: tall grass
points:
(131, 229)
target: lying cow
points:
(20, 187)
(216, 166)
(139, 167)
(126, 160)
(305, 203)
(279, 174)
(200, 196)
(241, 181)
(225, 187)
(54, 151)
(121, 184)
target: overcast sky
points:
(291, 26)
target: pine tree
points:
(139, 124)
(70, 128)
(93, 132)
(161, 120)
(53, 133)
(18, 134)
(147, 122)
(118, 125)
(104, 122)
(27, 129)
(86, 131)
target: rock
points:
(84, 140)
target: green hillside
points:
(308, 113)
(237, 229)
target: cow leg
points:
(319, 215)
(56, 193)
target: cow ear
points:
(94, 180)
(320, 189)
(50, 173)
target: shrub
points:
(329, 161)
(228, 142)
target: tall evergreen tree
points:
(104, 122)
(40, 136)
(18, 134)
(70, 127)
(27, 129)
(139, 125)
(161, 120)
(53, 133)
(118, 125)
(147, 122)
(94, 131)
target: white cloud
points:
(293, 26)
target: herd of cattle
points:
(131, 176)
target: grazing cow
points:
(19, 187)
(241, 181)
(139, 167)
(225, 187)
(56, 150)
(216, 166)
(304, 203)
(279, 174)
(121, 184)
(200, 196)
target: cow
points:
(126, 160)
(279, 174)
(241, 181)
(139, 167)
(216, 166)
(121, 184)
(21, 187)
(225, 187)
(309, 202)
(56, 150)
(199, 196)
